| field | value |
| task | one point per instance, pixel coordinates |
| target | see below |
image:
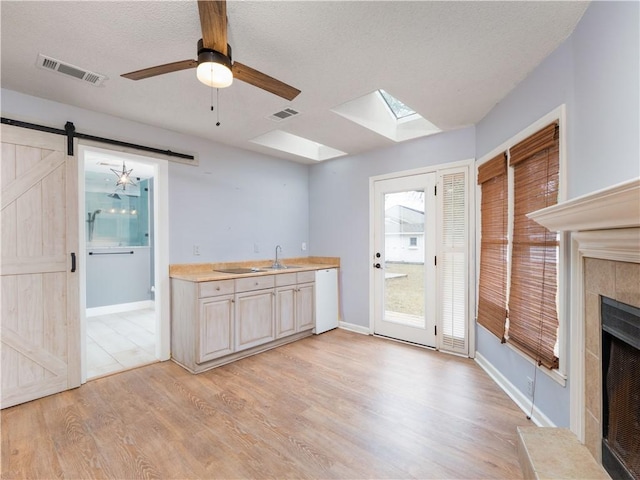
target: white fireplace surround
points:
(604, 225)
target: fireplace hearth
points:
(620, 389)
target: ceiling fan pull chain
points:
(218, 104)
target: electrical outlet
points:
(530, 387)
(256, 248)
(304, 246)
(196, 249)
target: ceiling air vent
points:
(283, 115)
(48, 63)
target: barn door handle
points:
(73, 262)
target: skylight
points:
(303, 147)
(384, 114)
(399, 109)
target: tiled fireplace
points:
(619, 281)
(605, 241)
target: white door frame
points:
(161, 253)
(469, 163)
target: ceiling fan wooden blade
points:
(213, 21)
(160, 69)
(263, 81)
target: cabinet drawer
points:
(305, 277)
(254, 283)
(218, 287)
(285, 279)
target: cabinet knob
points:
(218, 288)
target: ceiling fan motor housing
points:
(210, 55)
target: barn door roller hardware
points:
(70, 132)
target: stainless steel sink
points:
(239, 270)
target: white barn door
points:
(40, 330)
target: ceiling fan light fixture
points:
(214, 69)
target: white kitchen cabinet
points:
(215, 327)
(202, 316)
(285, 304)
(216, 322)
(285, 310)
(255, 304)
(294, 303)
(305, 310)
(254, 318)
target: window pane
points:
(399, 109)
(404, 261)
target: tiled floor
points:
(120, 341)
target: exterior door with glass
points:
(404, 250)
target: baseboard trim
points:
(119, 308)
(539, 418)
(352, 327)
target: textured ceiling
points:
(450, 61)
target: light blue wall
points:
(339, 206)
(547, 87)
(235, 198)
(595, 73)
(605, 149)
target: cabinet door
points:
(285, 311)
(254, 318)
(215, 329)
(305, 318)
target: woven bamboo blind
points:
(533, 319)
(492, 301)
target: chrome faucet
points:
(276, 263)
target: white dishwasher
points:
(326, 293)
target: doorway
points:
(123, 324)
(421, 275)
(404, 238)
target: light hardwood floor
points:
(338, 405)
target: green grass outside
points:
(405, 294)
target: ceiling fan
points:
(214, 66)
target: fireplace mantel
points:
(611, 208)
